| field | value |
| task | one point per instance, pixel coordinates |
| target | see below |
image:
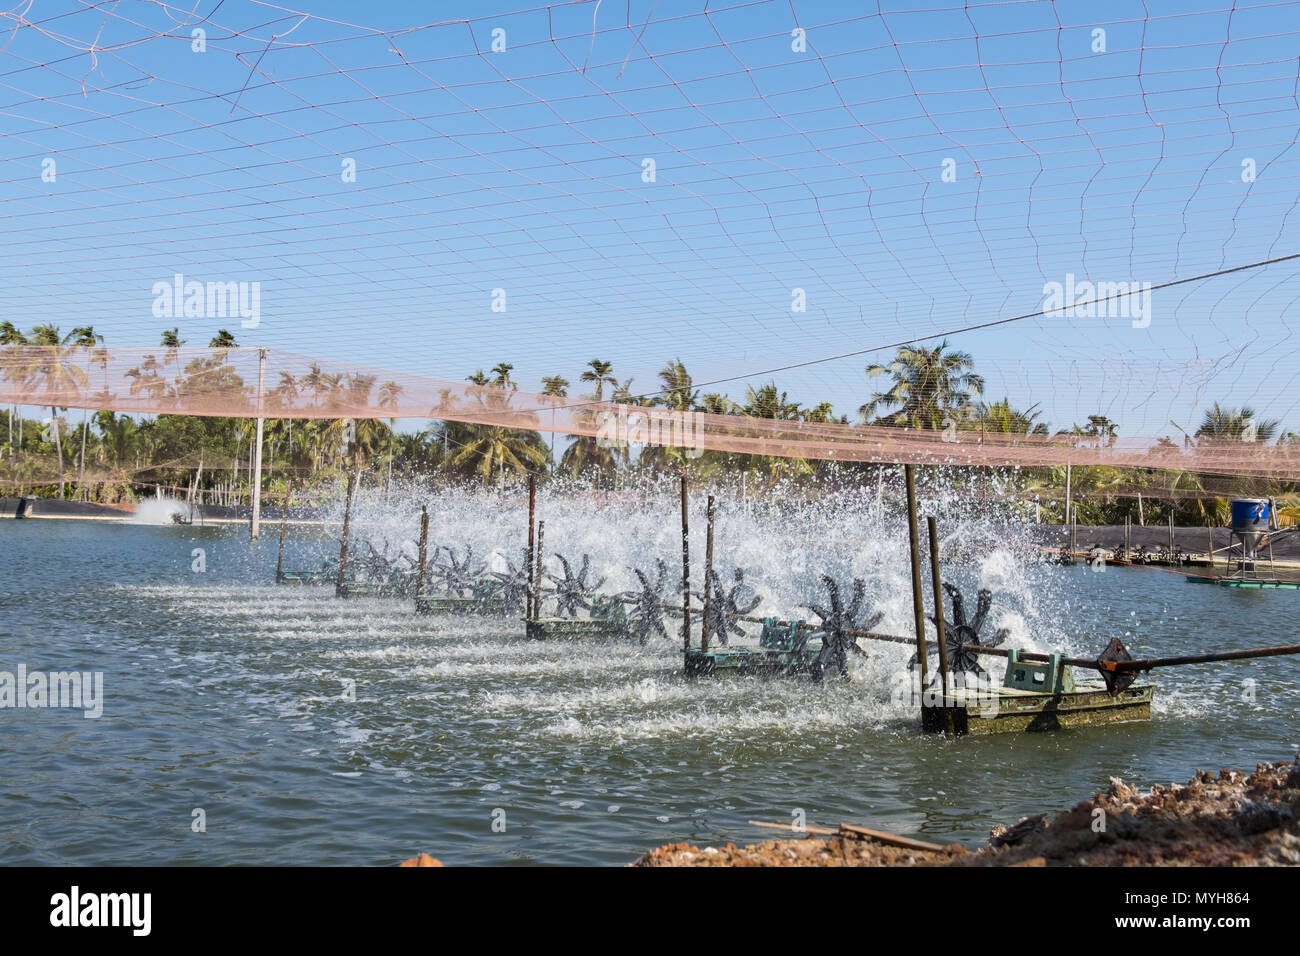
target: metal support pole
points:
(937, 584)
(528, 558)
(686, 570)
(1069, 502)
(541, 563)
(423, 554)
(347, 524)
(279, 556)
(257, 454)
(918, 606)
(708, 581)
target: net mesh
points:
(250, 383)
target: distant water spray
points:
(158, 511)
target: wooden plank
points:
(861, 833)
(890, 839)
(809, 828)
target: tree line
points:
(110, 457)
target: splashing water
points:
(158, 510)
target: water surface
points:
(226, 693)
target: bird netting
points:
(249, 383)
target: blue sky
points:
(775, 170)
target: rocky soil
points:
(1224, 819)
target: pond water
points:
(225, 694)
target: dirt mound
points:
(1228, 819)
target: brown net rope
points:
(236, 383)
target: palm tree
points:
(1002, 418)
(588, 454)
(86, 337)
(717, 404)
(622, 394)
(172, 342)
(286, 393)
(677, 391)
(313, 381)
(389, 392)
(502, 372)
(1099, 428)
(823, 413)
(556, 386)
(57, 375)
(10, 335)
(929, 385)
(766, 402)
(1231, 424)
(599, 372)
(494, 449)
(145, 378)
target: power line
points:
(973, 328)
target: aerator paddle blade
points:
(647, 616)
(1116, 681)
(573, 591)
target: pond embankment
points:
(1227, 818)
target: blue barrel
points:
(1249, 514)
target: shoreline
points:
(53, 509)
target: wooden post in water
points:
(1171, 531)
(918, 607)
(1209, 529)
(423, 555)
(938, 611)
(541, 563)
(347, 523)
(948, 726)
(708, 581)
(279, 556)
(528, 558)
(686, 570)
